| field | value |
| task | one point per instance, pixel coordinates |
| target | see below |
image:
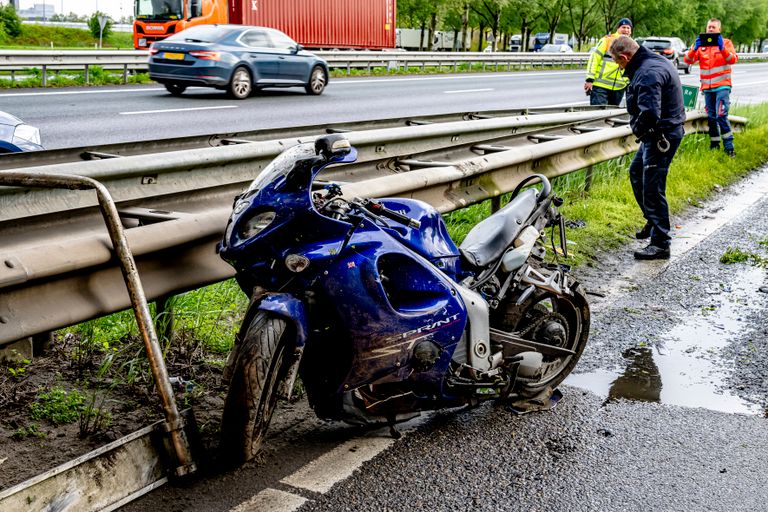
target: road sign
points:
(690, 96)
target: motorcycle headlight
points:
(255, 225)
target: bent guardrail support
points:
(174, 423)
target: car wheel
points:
(175, 89)
(240, 86)
(317, 81)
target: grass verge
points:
(206, 320)
(609, 212)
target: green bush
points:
(93, 26)
(10, 23)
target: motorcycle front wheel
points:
(558, 320)
(260, 366)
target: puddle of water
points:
(683, 369)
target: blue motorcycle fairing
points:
(388, 299)
(378, 291)
(431, 240)
(290, 308)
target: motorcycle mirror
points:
(332, 147)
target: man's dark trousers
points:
(648, 175)
(603, 96)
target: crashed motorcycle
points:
(382, 316)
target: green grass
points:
(609, 208)
(207, 319)
(36, 37)
(58, 406)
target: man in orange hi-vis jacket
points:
(715, 64)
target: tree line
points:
(744, 21)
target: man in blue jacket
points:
(657, 114)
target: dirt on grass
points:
(61, 405)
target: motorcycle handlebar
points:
(379, 209)
(546, 187)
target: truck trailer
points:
(327, 24)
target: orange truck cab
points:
(158, 19)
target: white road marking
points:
(174, 110)
(338, 464)
(271, 500)
(487, 76)
(467, 90)
(742, 84)
(96, 91)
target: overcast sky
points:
(114, 8)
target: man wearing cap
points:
(715, 65)
(605, 82)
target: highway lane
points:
(98, 115)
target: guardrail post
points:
(164, 318)
(87, 74)
(174, 423)
(45, 75)
(495, 204)
(455, 67)
(125, 73)
(349, 68)
(588, 178)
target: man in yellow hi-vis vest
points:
(605, 82)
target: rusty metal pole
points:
(174, 423)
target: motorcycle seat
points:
(488, 240)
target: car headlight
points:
(255, 225)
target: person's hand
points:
(720, 42)
(697, 44)
(587, 86)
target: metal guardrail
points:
(99, 152)
(136, 60)
(55, 250)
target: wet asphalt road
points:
(691, 332)
(648, 423)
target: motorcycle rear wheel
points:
(568, 314)
(260, 366)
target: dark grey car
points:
(673, 48)
(236, 58)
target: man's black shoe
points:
(731, 153)
(714, 145)
(644, 233)
(652, 252)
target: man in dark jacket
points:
(657, 114)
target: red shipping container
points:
(323, 23)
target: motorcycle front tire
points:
(262, 362)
